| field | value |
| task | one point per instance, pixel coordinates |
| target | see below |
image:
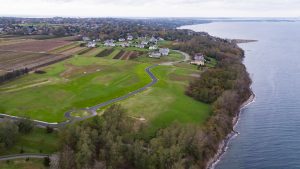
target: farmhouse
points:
(155, 55)
(91, 44)
(164, 51)
(198, 59)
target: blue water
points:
(270, 127)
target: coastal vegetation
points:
(116, 141)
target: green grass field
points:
(75, 83)
(23, 164)
(84, 81)
(38, 141)
(166, 102)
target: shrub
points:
(25, 125)
(46, 162)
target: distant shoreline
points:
(237, 41)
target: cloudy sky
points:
(151, 8)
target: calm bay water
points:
(270, 127)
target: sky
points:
(150, 8)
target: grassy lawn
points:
(38, 141)
(211, 63)
(23, 164)
(166, 102)
(75, 83)
(80, 113)
(173, 56)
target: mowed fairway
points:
(72, 84)
(166, 102)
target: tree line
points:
(111, 142)
(13, 74)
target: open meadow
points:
(100, 74)
(79, 82)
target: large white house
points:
(129, 37)
(198, 59)
(164, 51)
(109, 43)
(153, 40)
(91, 44)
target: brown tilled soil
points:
(35, 45)
(127, 55)
(72, 51)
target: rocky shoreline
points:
(224, 143)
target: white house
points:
(198, 59)
(155, 55)
(85, 38)
(140, 46)
(153, 40)
(121, 40)
(144, 43)
(129, 37)
(109, 43)
(153, 47)
(124, 45)
(164, 51)
(91, 44)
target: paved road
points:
(20, 156)
(187, 57)
(92, 110)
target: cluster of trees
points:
(112, 142)
(10, 131)
(13, 74)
